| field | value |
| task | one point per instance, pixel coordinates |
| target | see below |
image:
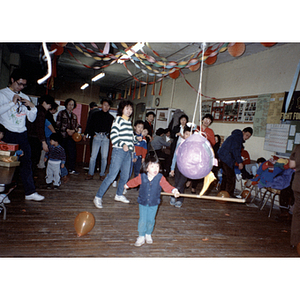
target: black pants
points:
(180, 181)
(228, 179)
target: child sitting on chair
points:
(56, 160)
(151, 182)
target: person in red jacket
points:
(151, 182)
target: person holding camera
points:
(15, 108)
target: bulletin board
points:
(293, 136)
(261, 115)
(276, 138)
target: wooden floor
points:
(200, 228)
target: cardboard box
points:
(7, 153)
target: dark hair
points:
(54, 105)
(150, 159)
(2, 128)
(186, 128)
(106, 100)
(261, 160)
(123, 104)
(55, 137)
(248, 129)
(150, 113)
(160, 131)
(219, 139)
(137, 122)
(18, 74)
(184, 116)
(69, 100)
(93, 104)
(167, 130)
(208, 116)
(46, 98)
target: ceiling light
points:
(97, 77)
(84, 86)
(138, 46)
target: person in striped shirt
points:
(123, 140)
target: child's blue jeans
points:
(147, 219)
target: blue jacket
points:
(230, 151)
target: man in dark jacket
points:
(229, 154)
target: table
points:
(6, 176)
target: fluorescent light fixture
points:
(84, 86)
(99, 76)
(138, 46)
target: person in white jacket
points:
(15, 108)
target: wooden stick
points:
(207, 197)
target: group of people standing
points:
(34, 130)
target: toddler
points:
(151, 182)
(56, 160)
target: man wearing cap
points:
(99, 128)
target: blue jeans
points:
(99, 141)
(137, 166)
(147, 219)
(120, 161)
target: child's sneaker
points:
(172, 200)
(114, 184)
(178, 204)
(140, 241)
(148, 239)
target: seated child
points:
(151, 182)
(56, 160)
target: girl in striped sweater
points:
(123, 140)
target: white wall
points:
(270, 71)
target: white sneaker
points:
(114, 184)
(148, 239)
(124, 192)
(98, 202)
(35, 197)
(140, 241)
(121, 198)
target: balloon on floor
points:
(84, 223)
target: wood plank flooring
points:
(200, 228)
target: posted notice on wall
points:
(276, 137)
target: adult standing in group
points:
(36, 130)
(99, 128)
(67, 125)
(295, 229)
(15, 108)
(148, 124)
(229, 154)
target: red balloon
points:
(174, 74)
(237, 49)
(268, 44)
(77, 137)
(84, 223)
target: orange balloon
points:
(84, 223)
(245, 194)
(268, 44)
(77, 137)
(223, 194)
(174, 74)
(59, 50)
(210, 60)
(237, 49)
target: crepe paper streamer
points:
(153, 87)
(47, 54)
(160, 89)
(146, 87)
(125, 94)
(139, 93)
(134, 90)
(291, 91)
(129, 92)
